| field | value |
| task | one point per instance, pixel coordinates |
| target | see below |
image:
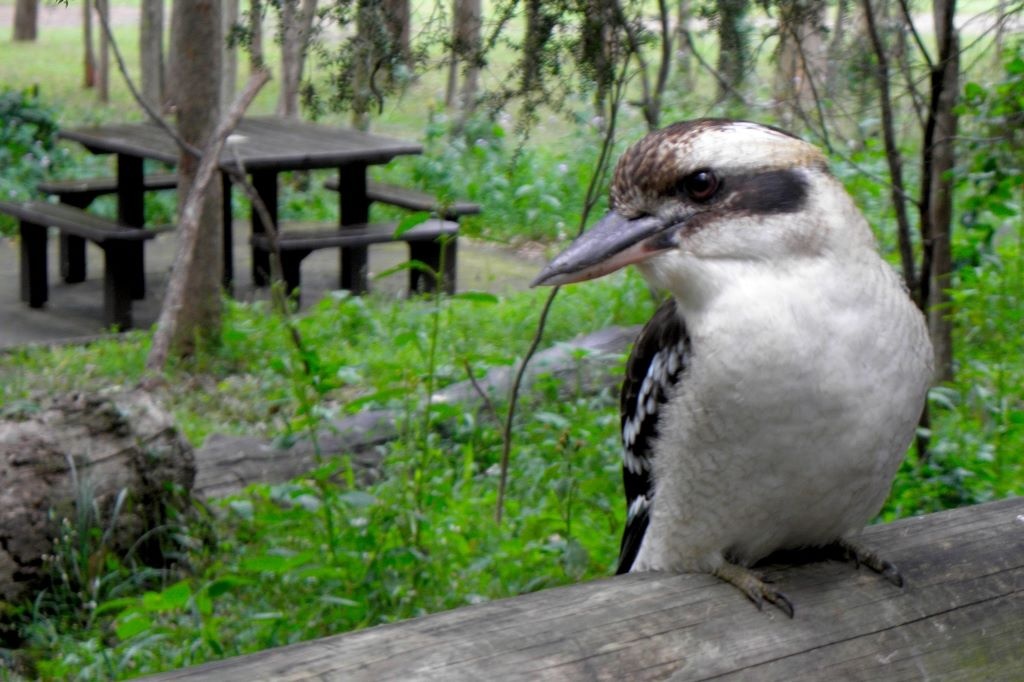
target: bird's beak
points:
(611, 243)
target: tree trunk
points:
(396, 17)
(103, 70)
(466, 24)
(733, 57)
(196, 66)
(684, 58)
(296, 28)
(540, 22)
(230, 82)
(26, 20)
(89, 50)
(939, 207)
(151, 52)
(801, 60)
(255, 35)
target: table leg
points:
(228, 236)
(355, 209)
(131, 211)
(265, 184)
(72, 248)
(34, 284)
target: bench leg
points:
(72, 258)
(429, 253)
(354, 269)
(34, 290)
(72, 248)
(227, 216)
(134, 259)
(291, 264)
(451, 254)
(119, 284)
(265, 184)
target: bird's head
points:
(713, 190)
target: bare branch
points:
(189, 221)
(485, 399)
(588, 204)
(892, 152)
(721, 80)
(917, 37)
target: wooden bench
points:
(402, 197)
(121, 246)
(80, 192)
(432, 243)
(411, 199)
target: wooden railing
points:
(959, 616)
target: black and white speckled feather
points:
(655, 366)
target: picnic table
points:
(265, 147)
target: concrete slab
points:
(74, 311)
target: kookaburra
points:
(769, 401)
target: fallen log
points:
(226, 464)
(74, 463)
(959, 616)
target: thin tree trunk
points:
(230, 83)
(892, 154)
(733, 57)
(103, 71)
(196, 75)
(684, 56)
(172, 313)
(939, 161)
(466, 46)
(255, 35)
(296, 28)
(598, 40)
(396, 16)
(801, 61)
(151, 52)
(26, 20)
(835, 47)
(89, 49)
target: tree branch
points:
(189, 221)
(588, 204)
(892, 154)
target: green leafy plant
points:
(28, 146)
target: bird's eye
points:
(700, 185)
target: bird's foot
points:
(754, 586)
(852, 551)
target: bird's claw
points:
(757, 589)
(859, 555)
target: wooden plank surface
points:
(261, 143)
(104, 185)
(354, 235)
(412, 199)
(960, 616)
(74, 221)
